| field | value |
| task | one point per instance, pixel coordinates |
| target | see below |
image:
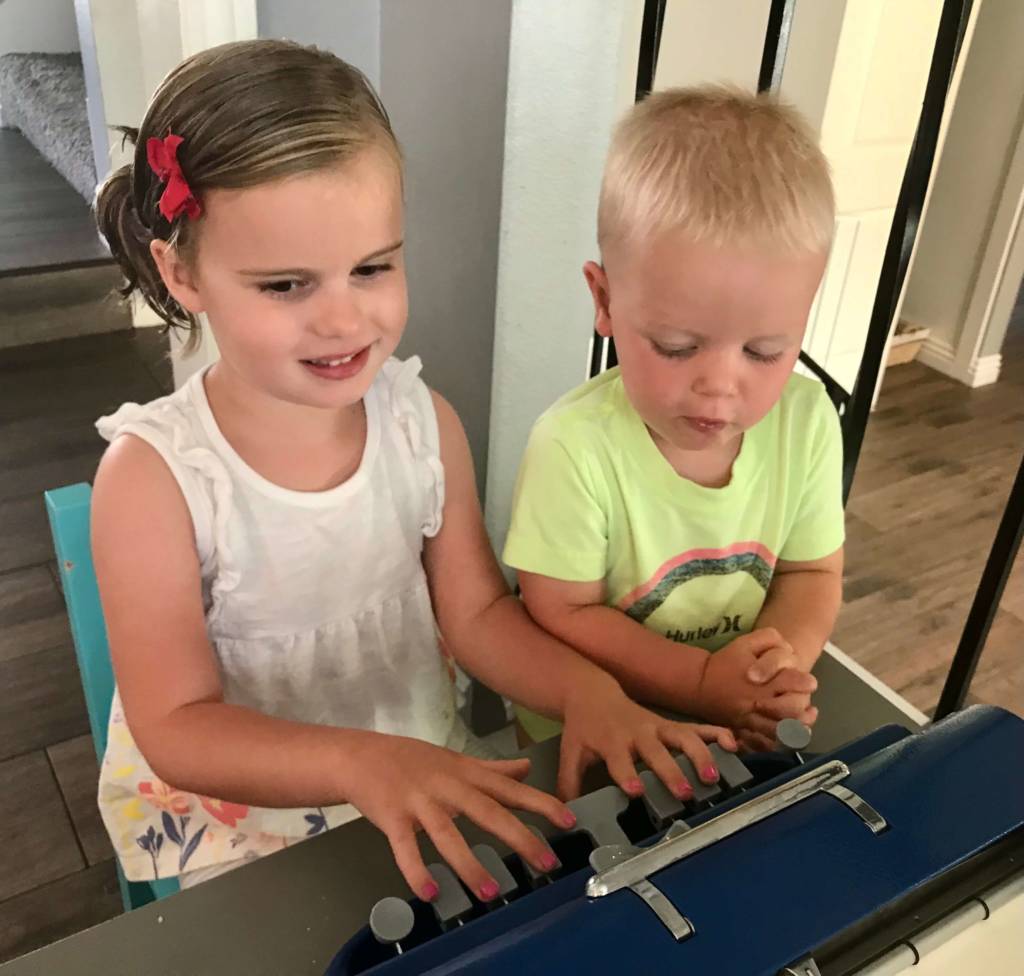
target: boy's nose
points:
(716, 383)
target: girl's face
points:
(302, 280)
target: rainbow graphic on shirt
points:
(752, 558)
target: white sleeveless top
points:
(316, 605)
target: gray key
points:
(539, 877)
(452, 904)
(391, 920)
(792, 737)
(733, 773)
(597, 815)
(495, 866)
(602, 858)
(662, 806)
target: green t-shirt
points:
(597, 500)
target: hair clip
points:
(177, 196)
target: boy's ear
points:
(597, 282)
(177, 275)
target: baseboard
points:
(939, 355)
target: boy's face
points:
(706, 337)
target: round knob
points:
(792, 735)
(391, 920)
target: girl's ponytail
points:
(128, 238)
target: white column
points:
(572, 71)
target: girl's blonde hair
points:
(720, 165)
(248, 112)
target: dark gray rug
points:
(43, 95)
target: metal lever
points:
(666, 852)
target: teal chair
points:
(68, 510)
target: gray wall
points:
(441, 68)
(349, 28)
(444, 67)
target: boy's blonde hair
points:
(722, 166)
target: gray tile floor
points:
(56, 867)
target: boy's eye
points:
(371, 270)
(673, 352)
(763, 357)
(286, 287)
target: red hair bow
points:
(177, 196)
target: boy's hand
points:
(405, 785)
(727, 693)
(602, 723)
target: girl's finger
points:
(452, 846)
(573, 761)
(495, 819)
(694, 748)
(659, 760)
(402, 839)
(519, 796)
(619, 760)
(715, 733)
(513, 768)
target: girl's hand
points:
(601, 722)
(405, 785)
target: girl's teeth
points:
(333, 362)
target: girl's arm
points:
(148, 572)
(490, 633)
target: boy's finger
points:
(770, 663)
(784, 706)
(754, 742)
(761, 724)
(792, 681)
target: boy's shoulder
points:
(591, 408)
(803, 398)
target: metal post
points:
(986, 601)
(776, 44)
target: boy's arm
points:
(803, 603)
(650, 668)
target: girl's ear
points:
(177, 275)
(597, 282)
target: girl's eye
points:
(673, 353)
(286, 287)
(371, 270)
(763, 357)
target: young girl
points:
(290, 549)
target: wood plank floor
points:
(931, 485)
(57, 871)
(44, 222)
(934, 474)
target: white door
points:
(870, 115)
